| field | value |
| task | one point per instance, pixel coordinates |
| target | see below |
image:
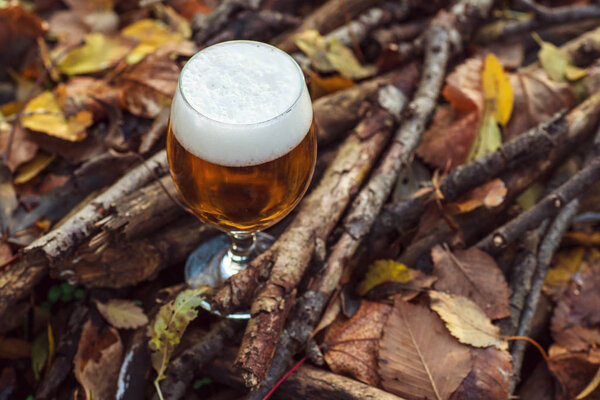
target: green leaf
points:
(39, 354)
(553, 59)
(67, 288)
(98, 53)
(201, 382)
(488, 137)
(168, 327)
(54, 294)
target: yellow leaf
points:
(98, 53)
(311, 43)
(497, 89)
(384, 271)
(529, 198)
(574, 73)
(150, 34)
(31, 169)
(594, 383)
(43, 114)
(466, 321)
(321, 86)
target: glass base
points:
(212, 263)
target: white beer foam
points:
(243, 103)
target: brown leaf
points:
(466, 321)
(98, 360)
(474, 274)
(489, 378)
(448, 140)
(16, 21)
(575, 324)
(463, 86)
(573, 370)
(418, 359)
(5, 252)
(84, 92)
(568, 264)
(536, 99)
(490, 194)
(122, 314)
(352, 344)
(23, 148)
(13, 348)
(149, 85)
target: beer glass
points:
(242, 149)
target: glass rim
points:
(243, 124)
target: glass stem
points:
(236, 259)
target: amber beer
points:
(248, 198)
(241, 142)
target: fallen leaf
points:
(537, 98)
(168, 326)
(122, 314)
(319, 86)
(418, 359)
(487, 139)
(39, 354)
(31, 169)
(574, 73)
(188, 8)
(85, 93)
(573, 371)
(150, 34)
(177, 22)
(566, 265)
(148, 86)
(553, 59)
(45, 115)
(384, 271)
(530, 197)
(97, 54)
(474, 274)
(466, 321)
(412, 179)
(23, 148)
(329, 55)
(352, 343)
(5, 252)
(8, 197)
(589, 389)
(18, 21)
(489, 195)
(575, 324)
(13, 348)
(489, 378)
(497, 91)
(510, 54)
(98, 360)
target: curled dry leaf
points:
(466, 321)
(148, 86)
(489, 195)
(97, 362)
(474, 274)
(43, 114)
(573, 370)
(352, 344)
(418, 359)
(122, 314)
(489, 378)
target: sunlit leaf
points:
(574, 73)
(122, 314)
(168, 326)
(497, 90)
(594, 383)
(466, 321)
(321, 86)
(150, 35)
(98, 53)
(43, 114)
(488, 138)
(385, 271)
(31, 169)
(553, 59)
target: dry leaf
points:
(591, 387)
(148, 86)
(17, 21)
(43, 114)
(23, 148)
(489, 195)
(150, 34)
(418, 359)
(466, 321)
(573, 370)
(575, 324)
(97, 54)
(352, 344)
(98, 360)
(553, 59)
(31, 169)
(85, 93)
(536, 98)
(384, 271)
(13, 348)
(122, 314)
(474, 274)
(8, 198)
(463, 86)
(497, 91)
(566, 265)
(319, 87)
(489, 378)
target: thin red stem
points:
(284, 377)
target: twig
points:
(547, 249)
(205, 26)
(535, 143)
(546, 208)
(182, 369)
